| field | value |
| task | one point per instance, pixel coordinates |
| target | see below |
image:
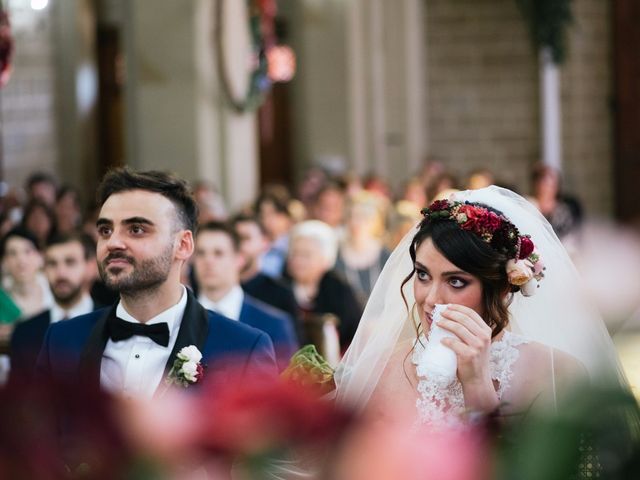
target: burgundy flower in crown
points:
(524, 267)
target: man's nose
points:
(115, 241)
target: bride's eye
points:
(457, 282)
(422, 275)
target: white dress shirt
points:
(230, 305)
(85, 305)
(135, 367)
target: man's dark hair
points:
(88, 244)
(40, 177)
(166, 184)
(19, 232)
(247, 218)
(279, 198)
(222, 227)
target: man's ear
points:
(185, 246)
(241, 261)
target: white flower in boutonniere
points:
(190, 354)
(187, 369)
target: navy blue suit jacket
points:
(26, 341)
(72, 350)
(278, 325)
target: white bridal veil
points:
(558, 315)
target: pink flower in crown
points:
(519, 272)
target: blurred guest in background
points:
(318, 289)
(217, 265)
(414, 192)
(272, 208)
(376, 184)
(40, 219)
(67, 209)
(362, 254)
(67, 266)
(42, 186)
(253, 244)
(210, 203)
(480, 178)
(441, 186)
(403, 217)
(564, 212)
(22, 277)
(329, 205)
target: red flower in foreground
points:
(259, 417)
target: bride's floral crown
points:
(524, 267)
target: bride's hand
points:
(472, 347)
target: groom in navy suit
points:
(145, 236)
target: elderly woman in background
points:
(362, 254)
(318, 289)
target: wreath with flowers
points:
(262, 32)
(524, 267)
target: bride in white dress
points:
(521, 335)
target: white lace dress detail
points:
(443, 405)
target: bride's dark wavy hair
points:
(469, 253)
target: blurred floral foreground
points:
(251, 429)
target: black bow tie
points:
(121, 330)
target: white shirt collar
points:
(172, 316)
(230, 305)
(85, 305)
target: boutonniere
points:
(187, 369)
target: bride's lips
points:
(428, 317)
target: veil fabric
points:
(559, 315)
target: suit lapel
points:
(194, 329)
(244, 312)
(91, 356)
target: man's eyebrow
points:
(103, 221)
(126, 221)
(129, 221)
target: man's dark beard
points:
(147, 275)
(69, 298)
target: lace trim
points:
(440, 405)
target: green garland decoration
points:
(259, 83)
(548, 21)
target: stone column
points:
(177, 118)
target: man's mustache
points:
(118, 256)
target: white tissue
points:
(438, 362)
